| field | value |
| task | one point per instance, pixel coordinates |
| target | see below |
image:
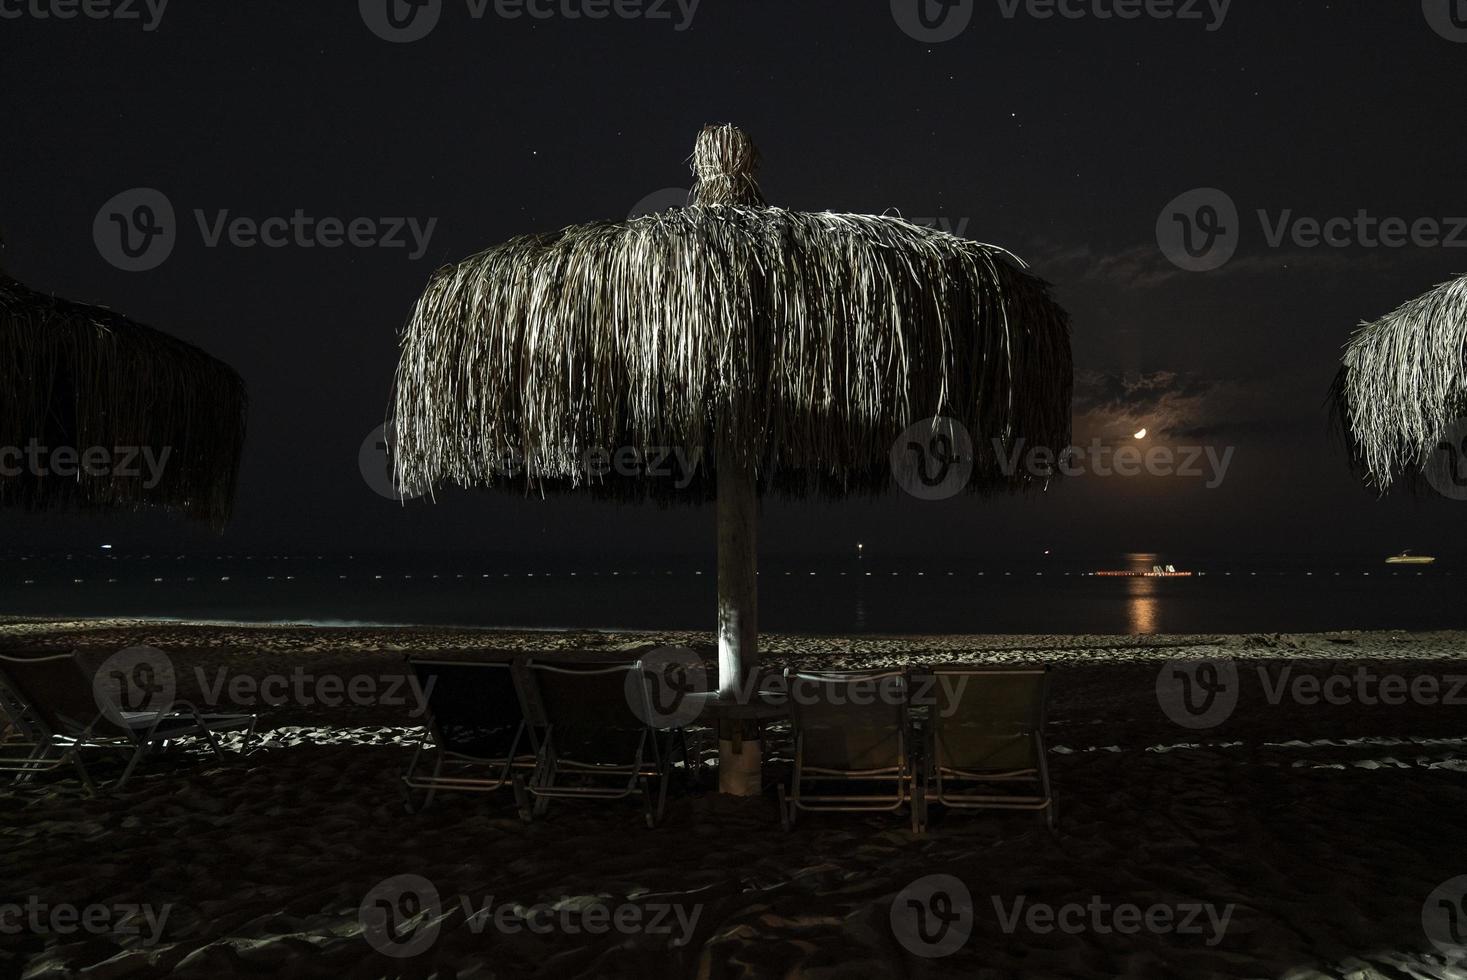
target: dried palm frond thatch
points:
(1403, 383)
(777, 351)
(86, 378)
(804, 344)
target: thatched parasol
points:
(785, 351)
(1402, 388)
(163, 421)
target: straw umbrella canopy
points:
(111, 395)
(1401, 393)
(783, 351)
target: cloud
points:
(1173, 405)
(1145, 267)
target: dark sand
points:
(1325, 828)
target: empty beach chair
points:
(985, 740)
(852, 745)
(61, 713)
(476, 738)
(598, 742)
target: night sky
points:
(1061, 139)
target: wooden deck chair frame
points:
(652, 759)
(509, 770)
(945, 779)
(907, 787)
(52, 741)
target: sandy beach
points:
(1291, 840)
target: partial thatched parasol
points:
(786, 351)
(141, 419)
(1403, 385)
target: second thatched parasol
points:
(1401, 393)
(784, 351)
(100, 413)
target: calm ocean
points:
(812, 595)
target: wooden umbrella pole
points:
(739, 752)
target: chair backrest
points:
(589, 711)
(55, 691)
(474, 707)
(985, 719)
(849, 720)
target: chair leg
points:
(786, 810)
(919, 808)
(544, 778)
(649, 807)
(433, 788)
(1049, 814)
(521, 798)
(137, 756)
(81, 768)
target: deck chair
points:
(54, 706)
(850, 730)
(596, 743)
(985, 740)
(477, 735)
